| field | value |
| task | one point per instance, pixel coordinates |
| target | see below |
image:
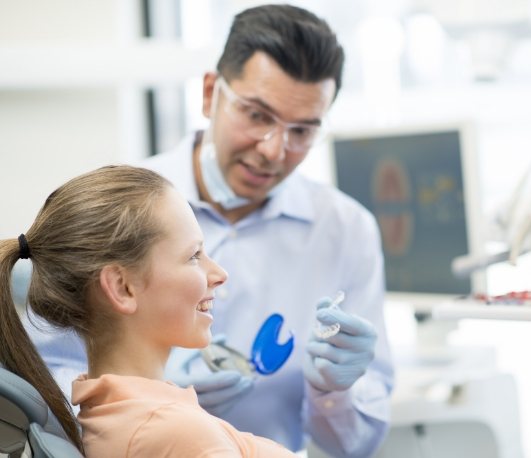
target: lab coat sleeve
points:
(339, 425)
(353, 423)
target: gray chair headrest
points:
(24, 395)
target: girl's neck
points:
(128, 360)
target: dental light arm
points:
(513, 223)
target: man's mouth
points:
(258, 172)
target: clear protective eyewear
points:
(267, 355)
(260, 124)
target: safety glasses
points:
(260, 124)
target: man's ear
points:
(115, 283)
(209, 80)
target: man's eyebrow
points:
(270, 109)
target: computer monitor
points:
(421, 183)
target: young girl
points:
(117, 256)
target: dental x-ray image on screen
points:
(420, 185)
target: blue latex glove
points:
(336, 363)
(217, 392)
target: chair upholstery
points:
(24, 415)
(13, 424)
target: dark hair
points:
(95, 219)
(302, 44)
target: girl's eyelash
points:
(196, 255)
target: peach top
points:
(126, 416)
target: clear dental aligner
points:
(325, 332)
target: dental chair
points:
(28, 429)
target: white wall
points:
(47, 137)
(52, 21)
(50, 134)
(72, 76)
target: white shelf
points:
(142, 62)
(462, 309)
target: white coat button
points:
(329, 404)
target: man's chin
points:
(253, 194)
(254, 197)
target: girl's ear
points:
(115, 283)
(209, 81)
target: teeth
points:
(205, 306)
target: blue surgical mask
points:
(218, 189)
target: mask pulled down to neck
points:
(217, 187)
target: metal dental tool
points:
(267, 354)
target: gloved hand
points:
(216, 391)
(336, 363)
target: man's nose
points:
(272, 146)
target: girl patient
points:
(118, 257)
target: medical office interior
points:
(431, 131)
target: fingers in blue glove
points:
(349, 324)
(226, 395)
(217, 392)
(350, 355)
(327, 302)
(343, 341)
(214, 381)
(219, 339)
(323, 303)
(336, 363)
(327, 376)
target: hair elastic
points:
(24, 251)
